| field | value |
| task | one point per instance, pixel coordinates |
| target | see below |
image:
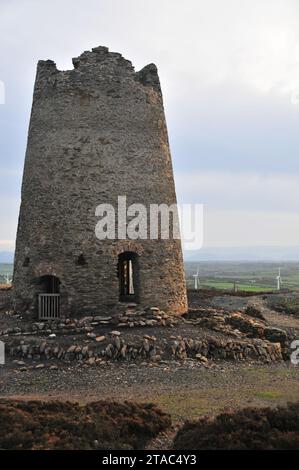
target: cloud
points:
(242, 191)
(230, 78)
(9, 209)
(244, 209)
(250, 228)
(7, 245)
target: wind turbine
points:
(196, 279)
(278, 279)
(7, 278)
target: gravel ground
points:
(185, 389)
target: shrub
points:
(254, 312)
(65, 425)
(250, 428)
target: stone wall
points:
(120, 348)
(96, 132)
(5, 298)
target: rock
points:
(40, 366)
(152, 354)
(156, 358)
(85, 320)
(91, 335)
(54, 367)
(146, 345)
(201, 358)
(99, 339)
(42, 347)
(88, 328)
(115, 333)
(117, 342)
(100, 319)
(254, 312)
(151, 322)
(275, 335)
(24, 349)
(52, 335)
(109, 350)
(123, 351)
(150, 338)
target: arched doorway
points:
(48, 297)
(49, 284)
(128, 274)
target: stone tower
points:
(96, 132)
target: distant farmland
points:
(249, 276)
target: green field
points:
(249, 276)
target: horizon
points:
(268, 254)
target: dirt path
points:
(274, 318)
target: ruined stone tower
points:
(96, 132)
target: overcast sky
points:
(230, 78)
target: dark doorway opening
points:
(128, 277)
(49, 284)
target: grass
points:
(271, 394)
(179, 404)
(221, 275)
(230, 285)
(218, 391)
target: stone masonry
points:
(96, 132)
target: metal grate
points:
(48, 306)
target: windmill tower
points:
(97, 132)
(196, 279)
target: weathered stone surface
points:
(96, 132)
(99, 339)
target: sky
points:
(230, 79)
